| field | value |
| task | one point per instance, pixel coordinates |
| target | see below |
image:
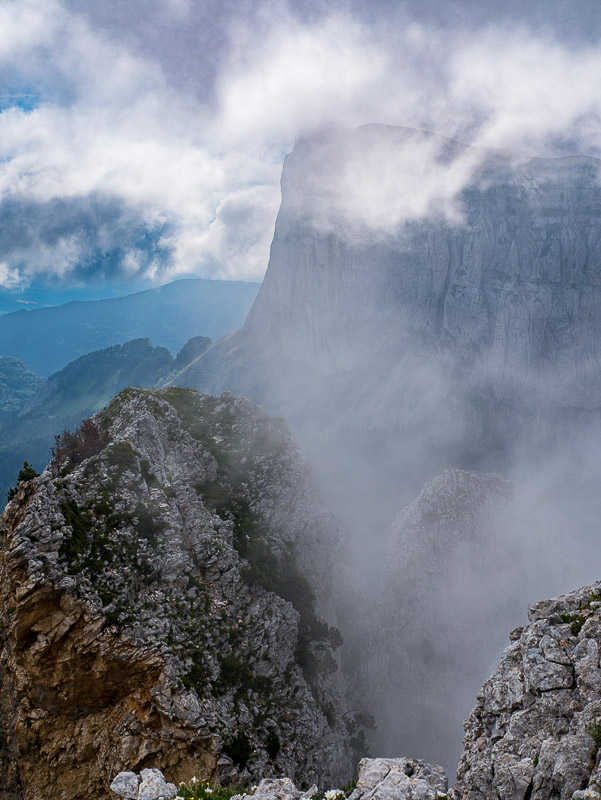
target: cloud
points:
(297, 78)
(124, 140)
(10, 278)
(195, 160)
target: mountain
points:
(464, 335)
(467, 331)
(17, 385)
(166, 600)
(47, 339)
(74, 393)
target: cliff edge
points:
(165, 603)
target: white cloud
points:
(528, 89)
(11, 278)
(299, 77)
(115, 126)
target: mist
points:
(455, 330)
(432, 297)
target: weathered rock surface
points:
(278, 789)
(166, 603)
(378, 779)
(536, 729)
(475, 330)
(153, 785)
(399, 779)
(126, 784)
(150, 785)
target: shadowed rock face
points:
(166, 603)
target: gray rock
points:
(378, 779)
(154, 619)
(535, 728)
(125, 785)
(153, 786)
(277, 789)
(399, 779)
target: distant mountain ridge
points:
(47, 339)
(34, 411)
(17, 385)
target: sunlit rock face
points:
(166, 602)
(535, 730)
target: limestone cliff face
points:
(503, 296)
(166, 603)
(470, 340)
(536, 729)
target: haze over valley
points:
(317, 433)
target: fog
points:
(456, 329)
(432, 295)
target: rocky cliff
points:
(536, 729)
(496, 303)
(166, 603)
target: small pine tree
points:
(26, 473)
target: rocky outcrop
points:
(166, 603)
(378, 779)
(149, 785)
(399, 779)
(536, 729)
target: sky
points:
(144, 141)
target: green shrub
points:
(239, 749)
(576, 620)
(81, 523)
(146, 525)
(198, 674)
(150, 478)
(122, 455)
(233, 673)
(203, 790)
(272, 745)
(594, 731)
(26, 473)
